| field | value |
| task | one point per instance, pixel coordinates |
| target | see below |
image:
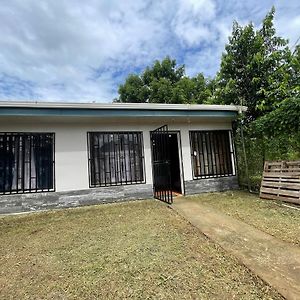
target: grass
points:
(266, 215)
(138, 250)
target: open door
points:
(162, 184)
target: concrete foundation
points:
(54, 200)
(211, 185)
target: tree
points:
(254, 68)
(164, 82)
(193, 90)
(285, 120)
(133, 90)
(295, 73)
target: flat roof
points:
(69, 109)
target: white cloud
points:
(58, 43)
(192, 21)
(82, 50)
(287, 27)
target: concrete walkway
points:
(275, 261)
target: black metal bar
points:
(197, 144)
(213, 146)
(209, 154)
(140, 156)
(118, 158)
(109, 158)
(30, 154)
(213, 138)
(5, 150)
(234, 169)
(114, 158)
(227, 152)
(221, 135)
(19, 150)
(200, 153)
(128, 160)
(218, 155)
(91, 158)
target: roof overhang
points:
(119, 110)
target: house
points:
(69, 154)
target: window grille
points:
(115, 158)
(212, 153)
(26, 162)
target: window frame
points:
(231, 152)
(118, 183)
(35, 189)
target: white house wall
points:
(71, 153)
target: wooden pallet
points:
(281, 181)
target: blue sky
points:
(80, 51)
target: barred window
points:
(212, 153)
(115, 158)
(26, 162)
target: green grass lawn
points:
(266, 215)
(139, 250)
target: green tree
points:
(255, 68)
(164, 82)
(193, 90)
(295, 73)
(133, 90)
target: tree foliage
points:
(285, 120)
(164, 82)
(255, 69)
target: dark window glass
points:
(115, 158)
(26, 162)
(212, 153)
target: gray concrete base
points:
(211, 185)
(43, 201)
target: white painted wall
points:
(71, 156)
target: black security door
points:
(161, 165)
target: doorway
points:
(174, 163)
(167, 178)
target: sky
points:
(81, 51)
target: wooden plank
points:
(283, 175)
(295, 194)
(288, 185)
(293, 163)
(291, 180)
(285, 199)
(280, 163)
(284, 170)
(273, 163)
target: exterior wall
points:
(71, 158)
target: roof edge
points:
(132, 106)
